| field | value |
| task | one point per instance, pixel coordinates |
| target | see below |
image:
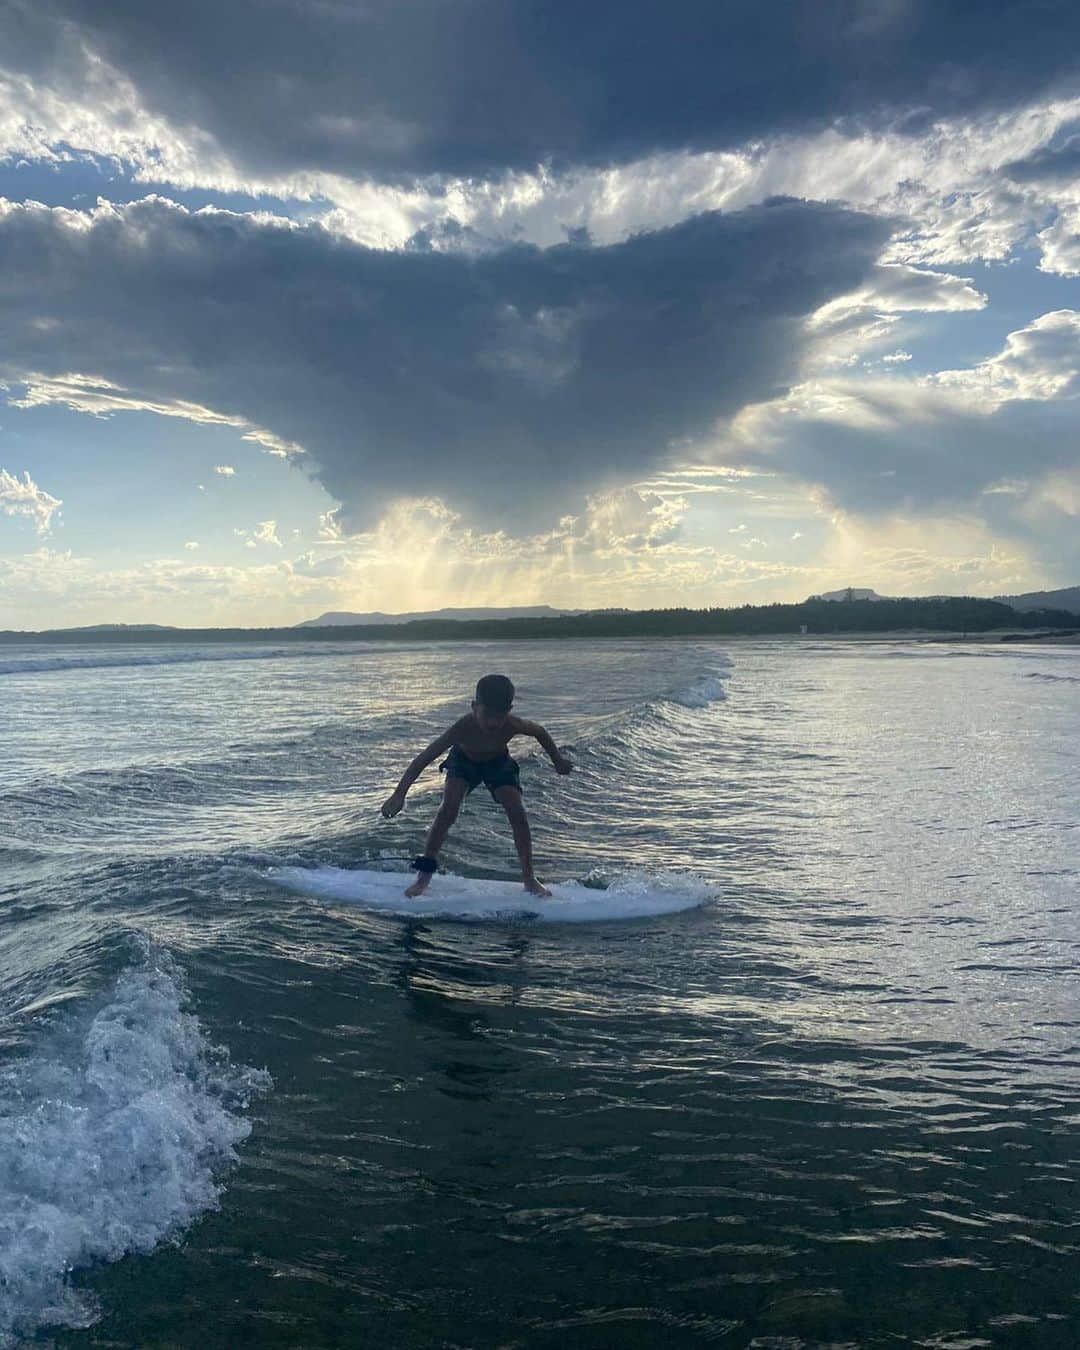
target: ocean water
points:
(834, 1105)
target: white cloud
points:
(850, 326)
(79, 590)
(311, 565)
(43, 574)
(88, 107)
(1041, 361)
(192, 545)
(948, 554)
(944, 188)
(1061, 244)
(624, 544)
(23, 497)
(330, 525)
(422, 555)
(944, 446)
(266, 533)
(226, 470)
(100, 398)
(625, 520)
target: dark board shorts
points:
(493, 773)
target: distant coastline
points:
(939, 618)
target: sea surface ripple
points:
(837, 1106)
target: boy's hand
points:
(393, 804)
(562, 764)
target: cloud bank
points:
(551, 275)
(390, 91)
(507, 380)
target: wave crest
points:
(707, 688)
(111, 1146)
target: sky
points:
(314, 305)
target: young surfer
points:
(477, 743)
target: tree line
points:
(953, 614)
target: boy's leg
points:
(454, 791)
(509, 798)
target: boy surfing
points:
(477, 744)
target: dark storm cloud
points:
(504, 381)
(391, 89)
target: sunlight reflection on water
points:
(836, 1106)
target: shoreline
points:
(263, 637)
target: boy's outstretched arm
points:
(396, 800)
(562, 764)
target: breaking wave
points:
(707, 688)
(113, 1141)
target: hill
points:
(955, 615)
(849, 593)
(340, 618)
(1068, 599)
(118, 628)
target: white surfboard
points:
(634, 896)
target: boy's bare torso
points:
(479, 744)
(482, 735)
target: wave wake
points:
(640, 732)
(111, 1143)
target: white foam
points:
(634, 896)
(707, 688)
(110, 1145)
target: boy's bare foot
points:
(535, 887)
(419, 886)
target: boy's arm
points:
(562, 764)
(396, 800)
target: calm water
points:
(836, 1107)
